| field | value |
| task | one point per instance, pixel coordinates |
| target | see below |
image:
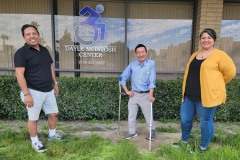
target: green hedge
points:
(97, 98)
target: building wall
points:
(139, 21)
(209, 15)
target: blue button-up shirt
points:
(143, 76)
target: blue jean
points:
(188, 110)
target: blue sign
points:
(90, 30)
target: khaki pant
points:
(139, 100)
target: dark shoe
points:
(179, 144)
(152, 135)
(129, 136)
(201, 149)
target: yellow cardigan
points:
(216, 71)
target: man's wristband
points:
(55, 82)
(27, 94)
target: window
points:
(166, 29)
(97, 38)
(93, 42)
(14, 14)
(230, 32)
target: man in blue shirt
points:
(143, 77)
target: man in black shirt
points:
(36, 77)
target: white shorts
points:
(45, 101)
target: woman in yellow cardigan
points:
(207, 72)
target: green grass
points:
(45, 127)
(15, 145)
(108, 128)
(168, 129)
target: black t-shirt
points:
(193, 88)
(37, 66)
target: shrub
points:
(98, 98)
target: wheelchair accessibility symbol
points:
(90, 30)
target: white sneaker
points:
(56, 136)
(38, 146)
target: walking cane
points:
(119, 106)
(150, 137)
